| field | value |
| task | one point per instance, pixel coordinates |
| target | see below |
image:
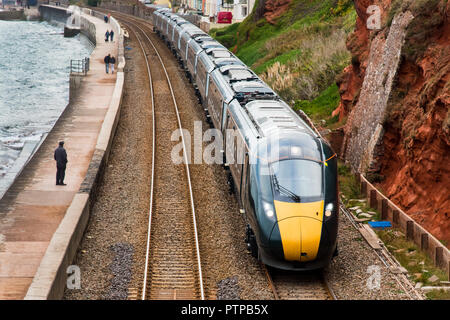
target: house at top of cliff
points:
(210, 8)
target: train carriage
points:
(195, 46)
(284, 174)
(206, 63)
(233, 82)
(165, 19)
(178, 31)
(188, 35)
(288, 195)
(176, 21)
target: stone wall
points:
(364, 129)
(54, 14)
(12, 15)
(413, 231)
(138, 9)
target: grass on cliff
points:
(420, 267)
(301, 54)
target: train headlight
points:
(329, 210)
(269, 210)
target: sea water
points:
(34, 82)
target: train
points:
(284, 174)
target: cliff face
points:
(411, 146)
(275, 8)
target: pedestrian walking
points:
(112, 62)
(105, 18)
(111, 35)
(106, 36)
(61, 160)
(109, 16)
(107, 60)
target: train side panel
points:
(202, 75)
(193, 50)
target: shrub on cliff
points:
(301, 52)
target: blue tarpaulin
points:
(380, 224)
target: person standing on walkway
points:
(105, 18)
(107, 61)
(106, 36)
(61, 160)
(111, 35)
(112, 62)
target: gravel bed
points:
(120, 212)
(220, 225)
(351, 275)
(121, 270)
(228, 289)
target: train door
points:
(244, 182)
(222, 116)
(207, 85)
(234, 148)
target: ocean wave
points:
(34, 87)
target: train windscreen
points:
(297, 179)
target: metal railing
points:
(79, 66)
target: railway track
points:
(286, 285)
(172, 264)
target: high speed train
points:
(284, 173)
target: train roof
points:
(220, 62)
(211, 44)
(191, 31)
(203, 38)
(226, 69)
(276, 117)
(242, 88)
(237, 74)
(256, 87)
(161, 10)
(179, 20)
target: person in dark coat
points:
(61, 161)
(111, 35)
(107, 61)
(106, 36)
(112, 62)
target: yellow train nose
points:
(300, 226)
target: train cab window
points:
(297, 180)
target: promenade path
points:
(32, 209)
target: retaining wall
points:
(49, 281)
(413, 231)
(138, 9)
(54, 14)
(12, 15)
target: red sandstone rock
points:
(416, 143)
(275, 8)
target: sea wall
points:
(50, 279)
(12, 15)
(54, 14)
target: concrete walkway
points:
(32, 209)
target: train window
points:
(297, 178)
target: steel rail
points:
(147, 254)
(272, 284)
(185, 160)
